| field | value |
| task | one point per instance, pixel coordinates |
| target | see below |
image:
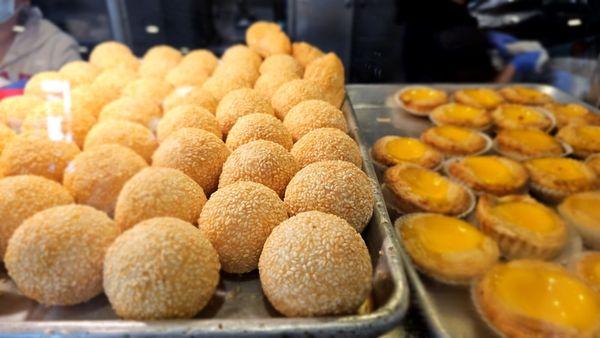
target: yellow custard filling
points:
(521, 114)
(548, 294)
(422, 94)
(405, 149)
(532, 138)
(589, 266)
(589, 133)
(489, 170)
(426, 183)
(532, 216)
(527, 92)
(443, 234)
(462, 112)
(484, 96)
(570, 110)
(560, 168)
(455, 134)
(585, 207)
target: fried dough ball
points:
(219, 85)
(190, 95)
(314, 264)
(202, 59)
(79, 72)
(187, 116)
(43, 85)
(328, 72)
(145, 112)
(313, 114)
(241, 54)
(56, 256)
(86, 98)
(6, 135)
(305, 53)
(237, 219)
(243, 71)
(125, 133)
(238, 103)
(110, 83)
(112, 54)
(196, 152)
(95, 176)
(261, 161)
(274, 42)
(21, 197)
(325, 144)
(293, 92)
(159, 60)
(158, 192)
(186, 75)
(14, 109)
(162, 268)
(254, 127)
(335, 187)
(257, 31)
(281, 63)
(268, 83)
(36, 154)
(148, 88)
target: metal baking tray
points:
(238, 307)
(448, 310)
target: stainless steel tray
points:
(238, 307)
(448, 310)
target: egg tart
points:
(516, 116)
(522, 227)
(585, 139)
(524, 95)
(582, 212)
(491, 174)
(571, 113)
(414, 188)
(460, 115)
(420, 100)
(456, 141)
(446, 248)
(586, 266)
(484, 98)
(530, 298)
(522, 144)
(390, 150)
(554, 178)
(593, 161)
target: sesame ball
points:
(261, 161)
(95, 177)
(139, 110)
(196, 152)
(148, 89)
(112, 54)
(159, 60)
(335, 187)
(268, 83)
(305, 53)
(257, 31)
(313, 114)
(237, 219)
(6, 135)
(201, 59)
(110, 83)
(190, 95)
(242, 70)
(42, 84)
(55, 257)
(187, 116)
(314, 264)
(79, 72)
(274, 42)
(293, 92)
(21, 197)
(186, 75)
(219, 85)
(14, 109)
(162, 268)
(89, 100)
(325, 144)
(242, 54)
(158, 192)
(127, 134)
(281, 63)
(36, 154)
(254, 127)
(327, 71)
(239, 103)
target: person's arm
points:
(506, 75)
(522, 63)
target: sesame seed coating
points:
(327, 71)
(96, 176)
(315, 264)
(202, 59)
(254, 127)
(238, 103)
(34, 85)
(326, 144)
(274, 42)
(335, 187)
(186, 75)
(281, 63)
(162, 268)
(55, 257)
(190, 95)
(261, 161)
(145, 112)
(14, 109)
(268, 83)
(148, 89)
(257, 31)
(219, 85)
(21, 197)
(240, 69)
(293, 92)
(313, 114)
(241, 53)
(112, 81)
(113, 54)
(79, 72)
(196, 152)
(187, 116)
(125, 133)
(158, 60)
(89, 99)
(158, 192)
(305, 53)
(6, 135)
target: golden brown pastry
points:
(585, 139)
(520, 144)
(582, 212)
(420, 100)
(484, 98)
(516, 116)
(460, 115)
(390, 150)
(571, 113)
(524, 95)
(456, 141)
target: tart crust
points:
(422, 106)
(481, 119)
(502, 121)
(524, 95)
(580, 266)
(473, 144)
(578, 114)
(581, 211)
(470, 98)
(513, 144)
(593, 161)
(430, 158)
(464, 173)
(585, 139)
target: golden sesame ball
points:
(87, 98)
(305, 53)
(14, 109)
(219, 85)
(196, 152)
(159, 60)
(190, 95)
(328, 72)
(335, 187)
(79, 72)
(124, 133)
(162, 268)
(237, 219)
(313, 114)
(186, 75)
(55, 257)
(158, 192)
(268, 83)
(254, 127)
(95, 177)
(314, 264)
(273, 43)
(187, 116)
(257, 31)
(293, 92)
(202, 59)
(110, 83)
(36, 154)
(325, 144)
(239, 103)
(21, 197)
(241, 53)
(243, 71)
(261, 161)
(139, 110)
(6, 135)
(42, 84)
(281, 63)
(148, 88)
(112, 54)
